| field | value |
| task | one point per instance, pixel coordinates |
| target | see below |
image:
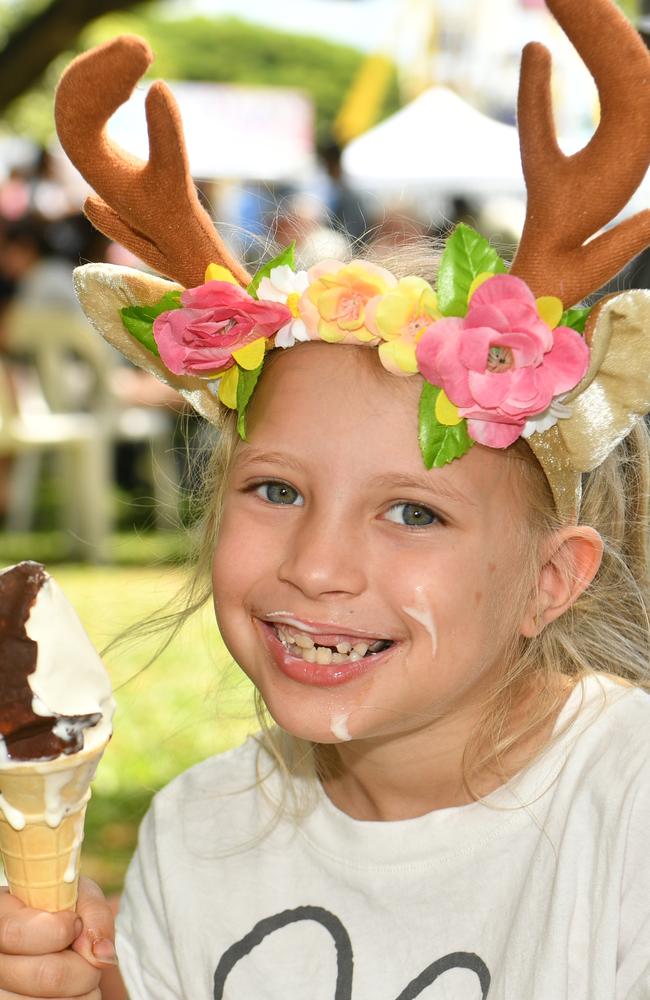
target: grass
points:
(190, 703)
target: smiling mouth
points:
(305, 647)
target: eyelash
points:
(436, 518)
(256, 487)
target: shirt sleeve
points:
(633, 973)
(143, 938)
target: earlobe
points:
(573, 556)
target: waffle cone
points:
(41, 860)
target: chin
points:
(314, 724)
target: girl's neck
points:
(405, 776)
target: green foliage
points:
(439, 443)
(467, 254)
(222, 50)
(245, 385)
(576, 318)
(139, 320)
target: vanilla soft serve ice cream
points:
(56, 708)
(55, 693)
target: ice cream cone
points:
(42, 810)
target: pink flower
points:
(501, 363)
(217, 320)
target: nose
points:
(325, 556)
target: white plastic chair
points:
(74, 366)
(27, 432)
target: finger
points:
(24, 931)
(96, 941)
(61, 975)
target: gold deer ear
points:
(615, 392)
(605, 405)
(104, 289)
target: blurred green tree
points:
(201, 48)
(33, 32)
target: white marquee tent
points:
(438, 142)
(441, 145)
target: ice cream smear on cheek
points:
(422, 614)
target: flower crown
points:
(500, 355)
(496, 361)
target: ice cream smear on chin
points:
(55, 693)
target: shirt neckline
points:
(427, 840)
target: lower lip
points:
(318, 674)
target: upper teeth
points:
(313, 653)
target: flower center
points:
(500, 359)
(224, 328)
(293, 298)
(351, 306)
(416, 327)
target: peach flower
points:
(335, 302)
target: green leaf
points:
(245, 386)
(138, 320)
(439, 443)
(576, 318)
(287, 256)
(467, 254)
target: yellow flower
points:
(335, 303)
(399, 318)
(228, 387)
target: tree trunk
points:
(33, 45)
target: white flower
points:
(547, 418)
(287, 286)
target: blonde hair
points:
(606, 631)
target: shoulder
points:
(607, 739)
(612, 710)
(231, 795)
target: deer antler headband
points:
(502, 354)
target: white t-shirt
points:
(539, 892)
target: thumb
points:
(96, 941)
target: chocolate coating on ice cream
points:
(28, 735)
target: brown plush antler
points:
(570, 198)
(150, 208)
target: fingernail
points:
(104, 951)
(78, 927)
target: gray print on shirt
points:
(344, 955)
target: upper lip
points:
(321, 628)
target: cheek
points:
(232, 562)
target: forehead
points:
(333, 408)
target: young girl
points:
(430, 557)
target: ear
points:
(102, 290)
(570, 562)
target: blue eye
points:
(279, 493)
(413, 515)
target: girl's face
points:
(335, 535)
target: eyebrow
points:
(423, 484)
(250, 456)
